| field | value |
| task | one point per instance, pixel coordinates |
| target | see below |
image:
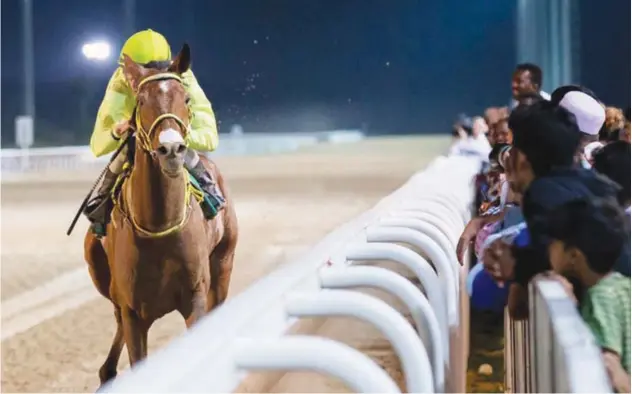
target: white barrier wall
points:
(247, 333)
(19, 161)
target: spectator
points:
(589, 114)
(500, 132)
(480, 130)
(615, 119)
(613, 126)
(543, 172)
(470, 145)
(586, 240)
(492, 115)
(625, 134)
(613, 161)
(526, 80)
(529, 98)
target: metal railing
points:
(553, 351)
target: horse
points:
(160, 253)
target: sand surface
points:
(56, 329)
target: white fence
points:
(248, 332)
(15, 162)
(565, 358)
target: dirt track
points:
(55, 327)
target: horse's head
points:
(162, 114)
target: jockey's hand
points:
(121, 128)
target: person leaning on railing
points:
(586, 240)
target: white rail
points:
(417, 303)
(16, 162)
(325, 356)
(246, 333)
(564, 359)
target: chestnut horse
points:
(160, 253)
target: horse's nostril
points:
(162, 150)
(181, 148)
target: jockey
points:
(149, 49)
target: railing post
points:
(417, 303)
(412, 354)
(430, 216)
(300, 353)
(449, 215)
(450, 236)
(422, 269)
(448, 272)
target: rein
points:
(144, 139)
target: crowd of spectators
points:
(553, 202)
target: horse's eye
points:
(187, 100)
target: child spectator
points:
(586, 240)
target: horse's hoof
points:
(105, 376)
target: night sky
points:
(390, 66)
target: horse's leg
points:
(95, 256)
(135, 334)
(108, 369)
(197, 309)
(221, 262)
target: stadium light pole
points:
(129, 17)
(28, 118)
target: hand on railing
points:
(499, 261)
(619, 378)
(468, 236)
(568, 287)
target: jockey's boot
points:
(99, 207)
(215, 199)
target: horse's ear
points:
(133, 72)
(182, 62)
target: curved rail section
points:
(247, 333)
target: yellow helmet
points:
(146, 46)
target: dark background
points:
(387, 66)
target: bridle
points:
(144, 136)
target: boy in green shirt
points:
(586, 240)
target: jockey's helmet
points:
(146, 46)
